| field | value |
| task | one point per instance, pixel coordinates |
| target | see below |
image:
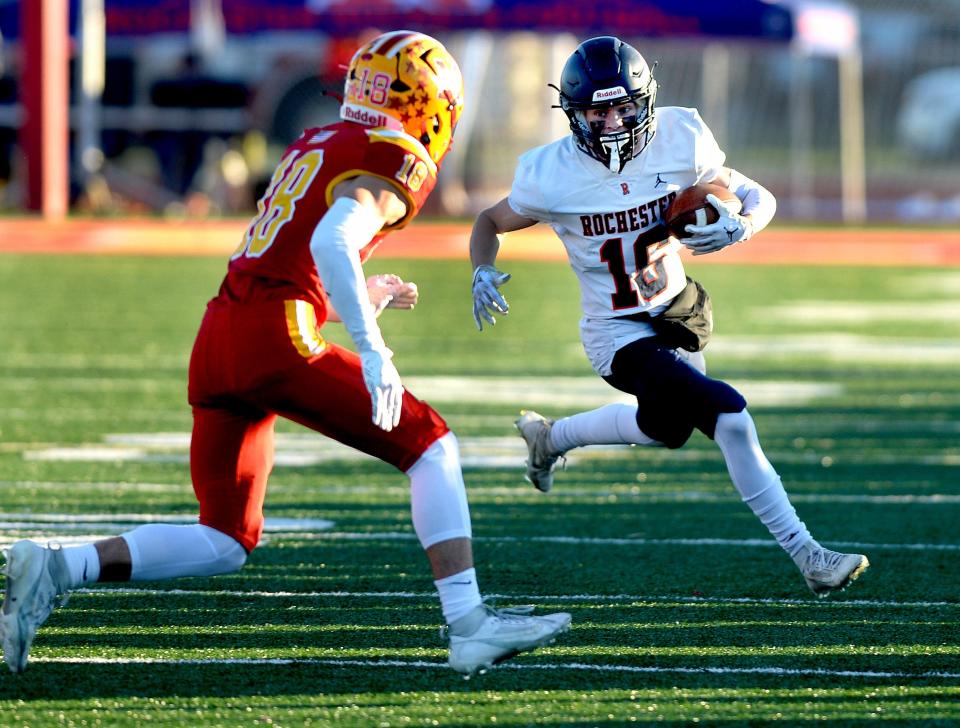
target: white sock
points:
(83, 563)
(757, 481)
(459, 594)
(162, 551)
(438, 498)
(612, 424)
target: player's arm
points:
(758, 206)
(489, 226)
(361, 207)
(484, 246)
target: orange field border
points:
(426, 239)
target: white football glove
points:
(383, 383)
(732, 227)
(486, 298)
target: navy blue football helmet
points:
(601, 73)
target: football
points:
(690, 207)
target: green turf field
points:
(684, 610)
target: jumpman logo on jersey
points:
(659, 181)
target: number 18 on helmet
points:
(406, 81)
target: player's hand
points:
(383, 383)
(487, 299)
(391, 291)
(405, 295)
(732, 227)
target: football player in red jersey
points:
(260, 353)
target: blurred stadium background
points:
(847, 111)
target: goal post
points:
(45, 97)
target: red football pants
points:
(253, 362)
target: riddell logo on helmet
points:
(360, 115)
(604, 94)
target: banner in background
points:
(757, 19)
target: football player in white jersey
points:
(604, 189)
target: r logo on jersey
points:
(623, 186)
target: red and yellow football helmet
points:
(406, 81)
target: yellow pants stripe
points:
(302, 327)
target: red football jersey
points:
(274, 259)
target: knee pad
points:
(734, 425)
(230, 555)
(166, 551)
(437, 494)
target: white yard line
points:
(74, 519)
(517, 391)
(318, 529)
(837, 347)
(565, 666)
(482, 452)
(834, 312)
(633, 494)
(543, 598)
(578, 540)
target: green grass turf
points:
(667, 628)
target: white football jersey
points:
(610, 224)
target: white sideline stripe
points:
(431, 596)
(576, 666)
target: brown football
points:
(690, 207)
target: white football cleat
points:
(36, 577)
(535, 429)
(487, 636)
(826, 571)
